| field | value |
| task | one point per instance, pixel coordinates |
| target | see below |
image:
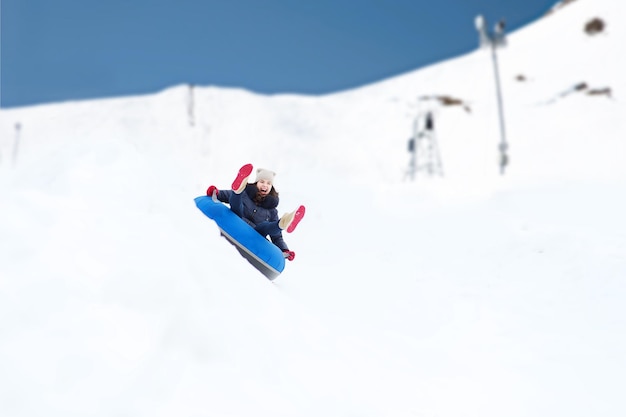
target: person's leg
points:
(288, 221)
(236, 204)
(239, 184)
(268, 228)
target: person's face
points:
(264, 187)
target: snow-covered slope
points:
(474, 294)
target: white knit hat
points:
(265, 174)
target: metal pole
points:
(16, 143)
(494, 40)
(504, 159)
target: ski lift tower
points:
(494, 41)
(423, 146)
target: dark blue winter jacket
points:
(256, 213)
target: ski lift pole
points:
(495, 40)
(503, 147)
(16, 143)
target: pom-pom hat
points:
(265, 174)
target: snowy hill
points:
(474, 294)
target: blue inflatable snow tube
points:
(262, 253)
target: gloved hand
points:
(209, 191)
(289, 254)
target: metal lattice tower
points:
(425, 157)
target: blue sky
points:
(81, 49)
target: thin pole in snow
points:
(16, 144)
(494, 41)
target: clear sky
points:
(80, 49)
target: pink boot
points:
(242, 179)
(289, 221)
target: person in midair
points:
(256, 203)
